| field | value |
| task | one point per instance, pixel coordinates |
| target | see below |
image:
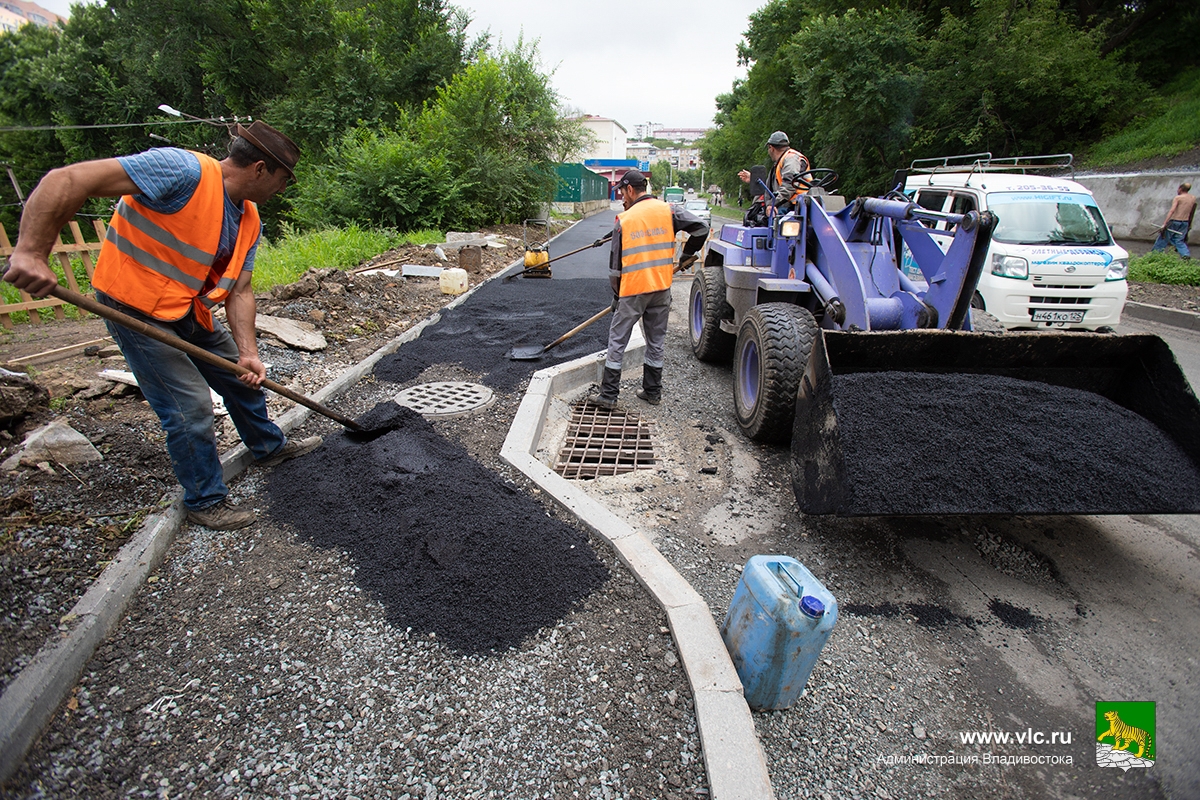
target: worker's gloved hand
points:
(601, 241)
(686, 262)
(616, 299)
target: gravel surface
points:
(265, 662)
(258, 663)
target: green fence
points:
(578, 184)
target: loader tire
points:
(707, 307)
(773, 346)
(983, 322)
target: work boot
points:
(651, 390)
(224, 516)
(610, 387)
(292, 448)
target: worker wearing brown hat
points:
(640, 270)
(183, 239)
(787, 178)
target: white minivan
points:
(1052, 262)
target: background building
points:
(609, 138)
(15, 13)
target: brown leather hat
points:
(271, 142)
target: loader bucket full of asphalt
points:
(936, 422)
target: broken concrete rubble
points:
(57, 442)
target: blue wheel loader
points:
(894, 398)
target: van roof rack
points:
(984, 162)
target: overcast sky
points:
(635, 61)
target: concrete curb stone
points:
(733, 758)
(1174, 317)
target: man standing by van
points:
(1178, 223)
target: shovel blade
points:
(532, 353)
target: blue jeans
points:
(177, 389)
(1175, 234)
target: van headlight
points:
(1010, 267)
(789, 228)
(1118, 270)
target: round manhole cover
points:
(446, 398)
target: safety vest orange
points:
(162, 264)
(779, 173)
(647, 247)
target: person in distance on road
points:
(1178, 222)
(786, 179)
(640, 270)
(183, 239)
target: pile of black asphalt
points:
(918, 443)
(443, 543)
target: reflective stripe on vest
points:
(160, 263)
(647, 248)
(779, 173)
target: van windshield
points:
(1048, 218)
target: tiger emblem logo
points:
(1122, 732)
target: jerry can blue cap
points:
(812, 607)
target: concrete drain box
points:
(604, 442)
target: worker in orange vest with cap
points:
(183, 239)
(640, 270)
(789, 174)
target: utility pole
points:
(16, 186)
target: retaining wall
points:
(1135, 204)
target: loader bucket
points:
(944, 422)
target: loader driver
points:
(787, 178)
(183, 239)
(640, 270)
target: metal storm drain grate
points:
(603, 442)
(446, 399)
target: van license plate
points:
(1046, 315)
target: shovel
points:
(134, 324)
(541, 267)
(534, 352)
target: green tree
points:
(482, 152)
(765, 101)
(1017, 78)
(859, 84)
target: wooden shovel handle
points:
(577, 329)
(134, 324)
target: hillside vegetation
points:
(865, 90)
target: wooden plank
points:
(59, 352)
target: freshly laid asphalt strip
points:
(481, 333)
(919, 443)
(440, 540)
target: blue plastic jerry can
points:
(778, 621)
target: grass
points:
(1173, 129)
(1164, 267)
(286, 260)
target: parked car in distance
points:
(700, 209)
